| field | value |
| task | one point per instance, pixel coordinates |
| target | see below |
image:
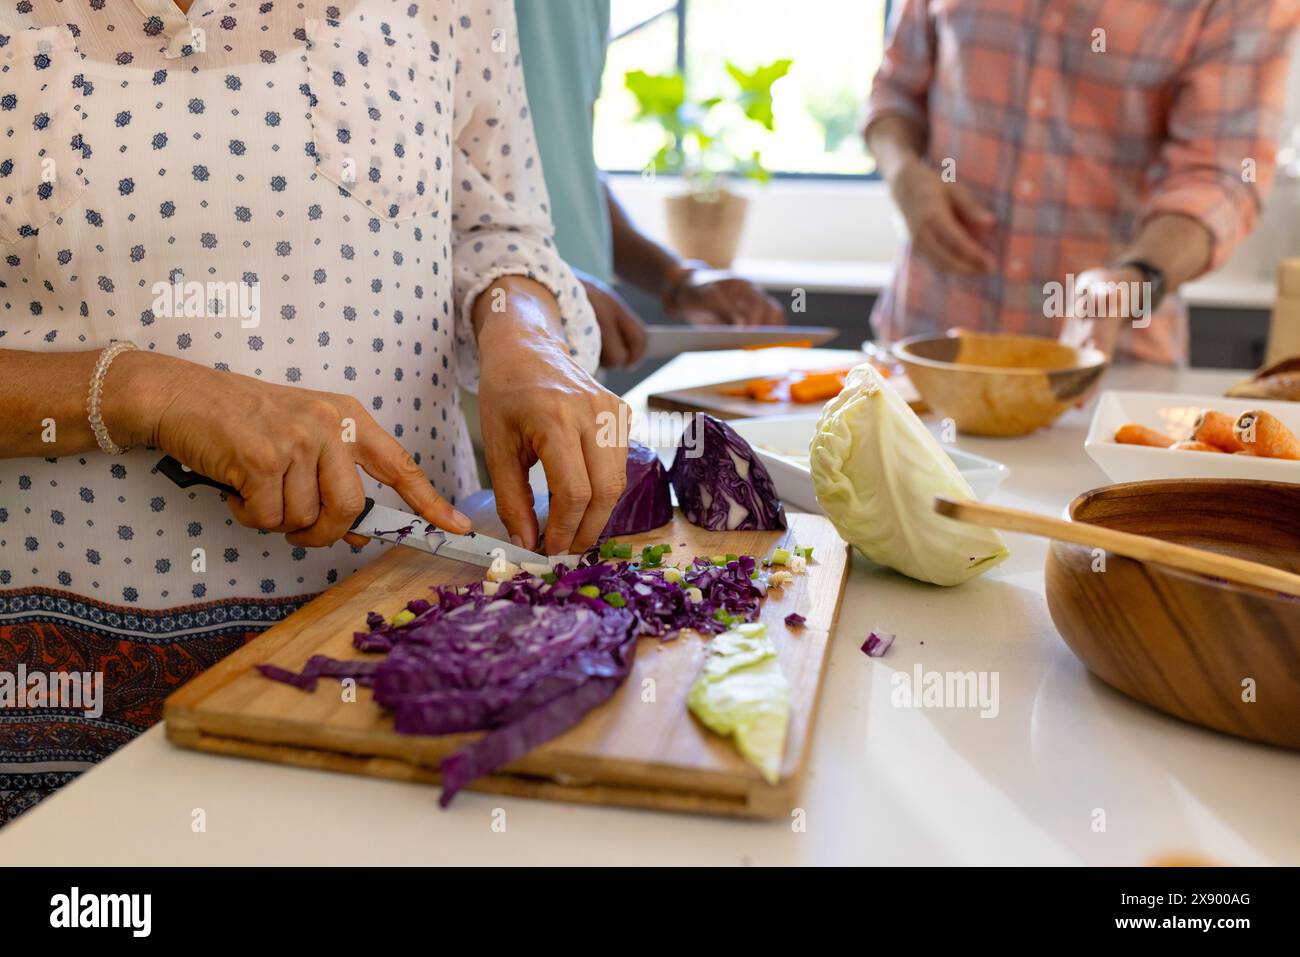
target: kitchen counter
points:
(1067, 772)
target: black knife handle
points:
(185, 478)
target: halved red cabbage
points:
(720, 483)
(646, 503)
(530, 661)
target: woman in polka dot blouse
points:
(316, 222)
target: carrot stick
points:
(1191, 445)
(1264, 434)
(762, 389)
(1215, 428)
(1134, 434)
(816, 387)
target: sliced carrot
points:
(816, 387)
(791, 344)
(1191, 445)
(1134, 434)
(1264, 434)
(1215, 428)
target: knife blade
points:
(391, 525)
(403, 528)
(665, 340)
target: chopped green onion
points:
(621, 550)
(672, 576)
(718, 560)
(780, 556)
(590, 591)
(614, 599)
(403, 617)
(607, 549)
(550, 578)
(732, 556)
(805, 552)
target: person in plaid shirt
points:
(1050, 150)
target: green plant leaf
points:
(756, 89)
(658, 97)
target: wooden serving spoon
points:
(1138, 547)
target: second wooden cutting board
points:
(642, 748)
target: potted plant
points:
(706, 220)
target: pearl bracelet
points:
(94, 403)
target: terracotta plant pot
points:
(707, 227)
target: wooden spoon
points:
(1139, 547)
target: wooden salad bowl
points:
(1000, 385)
(1218, 654)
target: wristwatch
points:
(1152, 275)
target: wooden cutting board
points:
(642, 748)
(716, 402)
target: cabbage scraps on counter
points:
(877, 470)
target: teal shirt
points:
(563, 45)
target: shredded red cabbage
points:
(646, 503)
(322, 666)
(530, 661)
(720, 483)
(877, 644)
(794, 619)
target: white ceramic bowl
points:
(1174, 416)
(781, 441)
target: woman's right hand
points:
(291, 453)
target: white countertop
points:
(886, 785)
(1221, 290)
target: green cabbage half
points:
(877, 469)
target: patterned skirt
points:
(80, 678)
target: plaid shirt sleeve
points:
(903, 81)
(1219, 153)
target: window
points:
(835, 45)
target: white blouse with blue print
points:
(305, 192)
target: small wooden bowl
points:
(1195, 647)
(994, 384)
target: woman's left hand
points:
(537, 403)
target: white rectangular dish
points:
(781, 441)
(1174, 416)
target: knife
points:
(664, 340)
(391, 525)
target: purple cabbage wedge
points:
(646, 503)
(721, 484)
